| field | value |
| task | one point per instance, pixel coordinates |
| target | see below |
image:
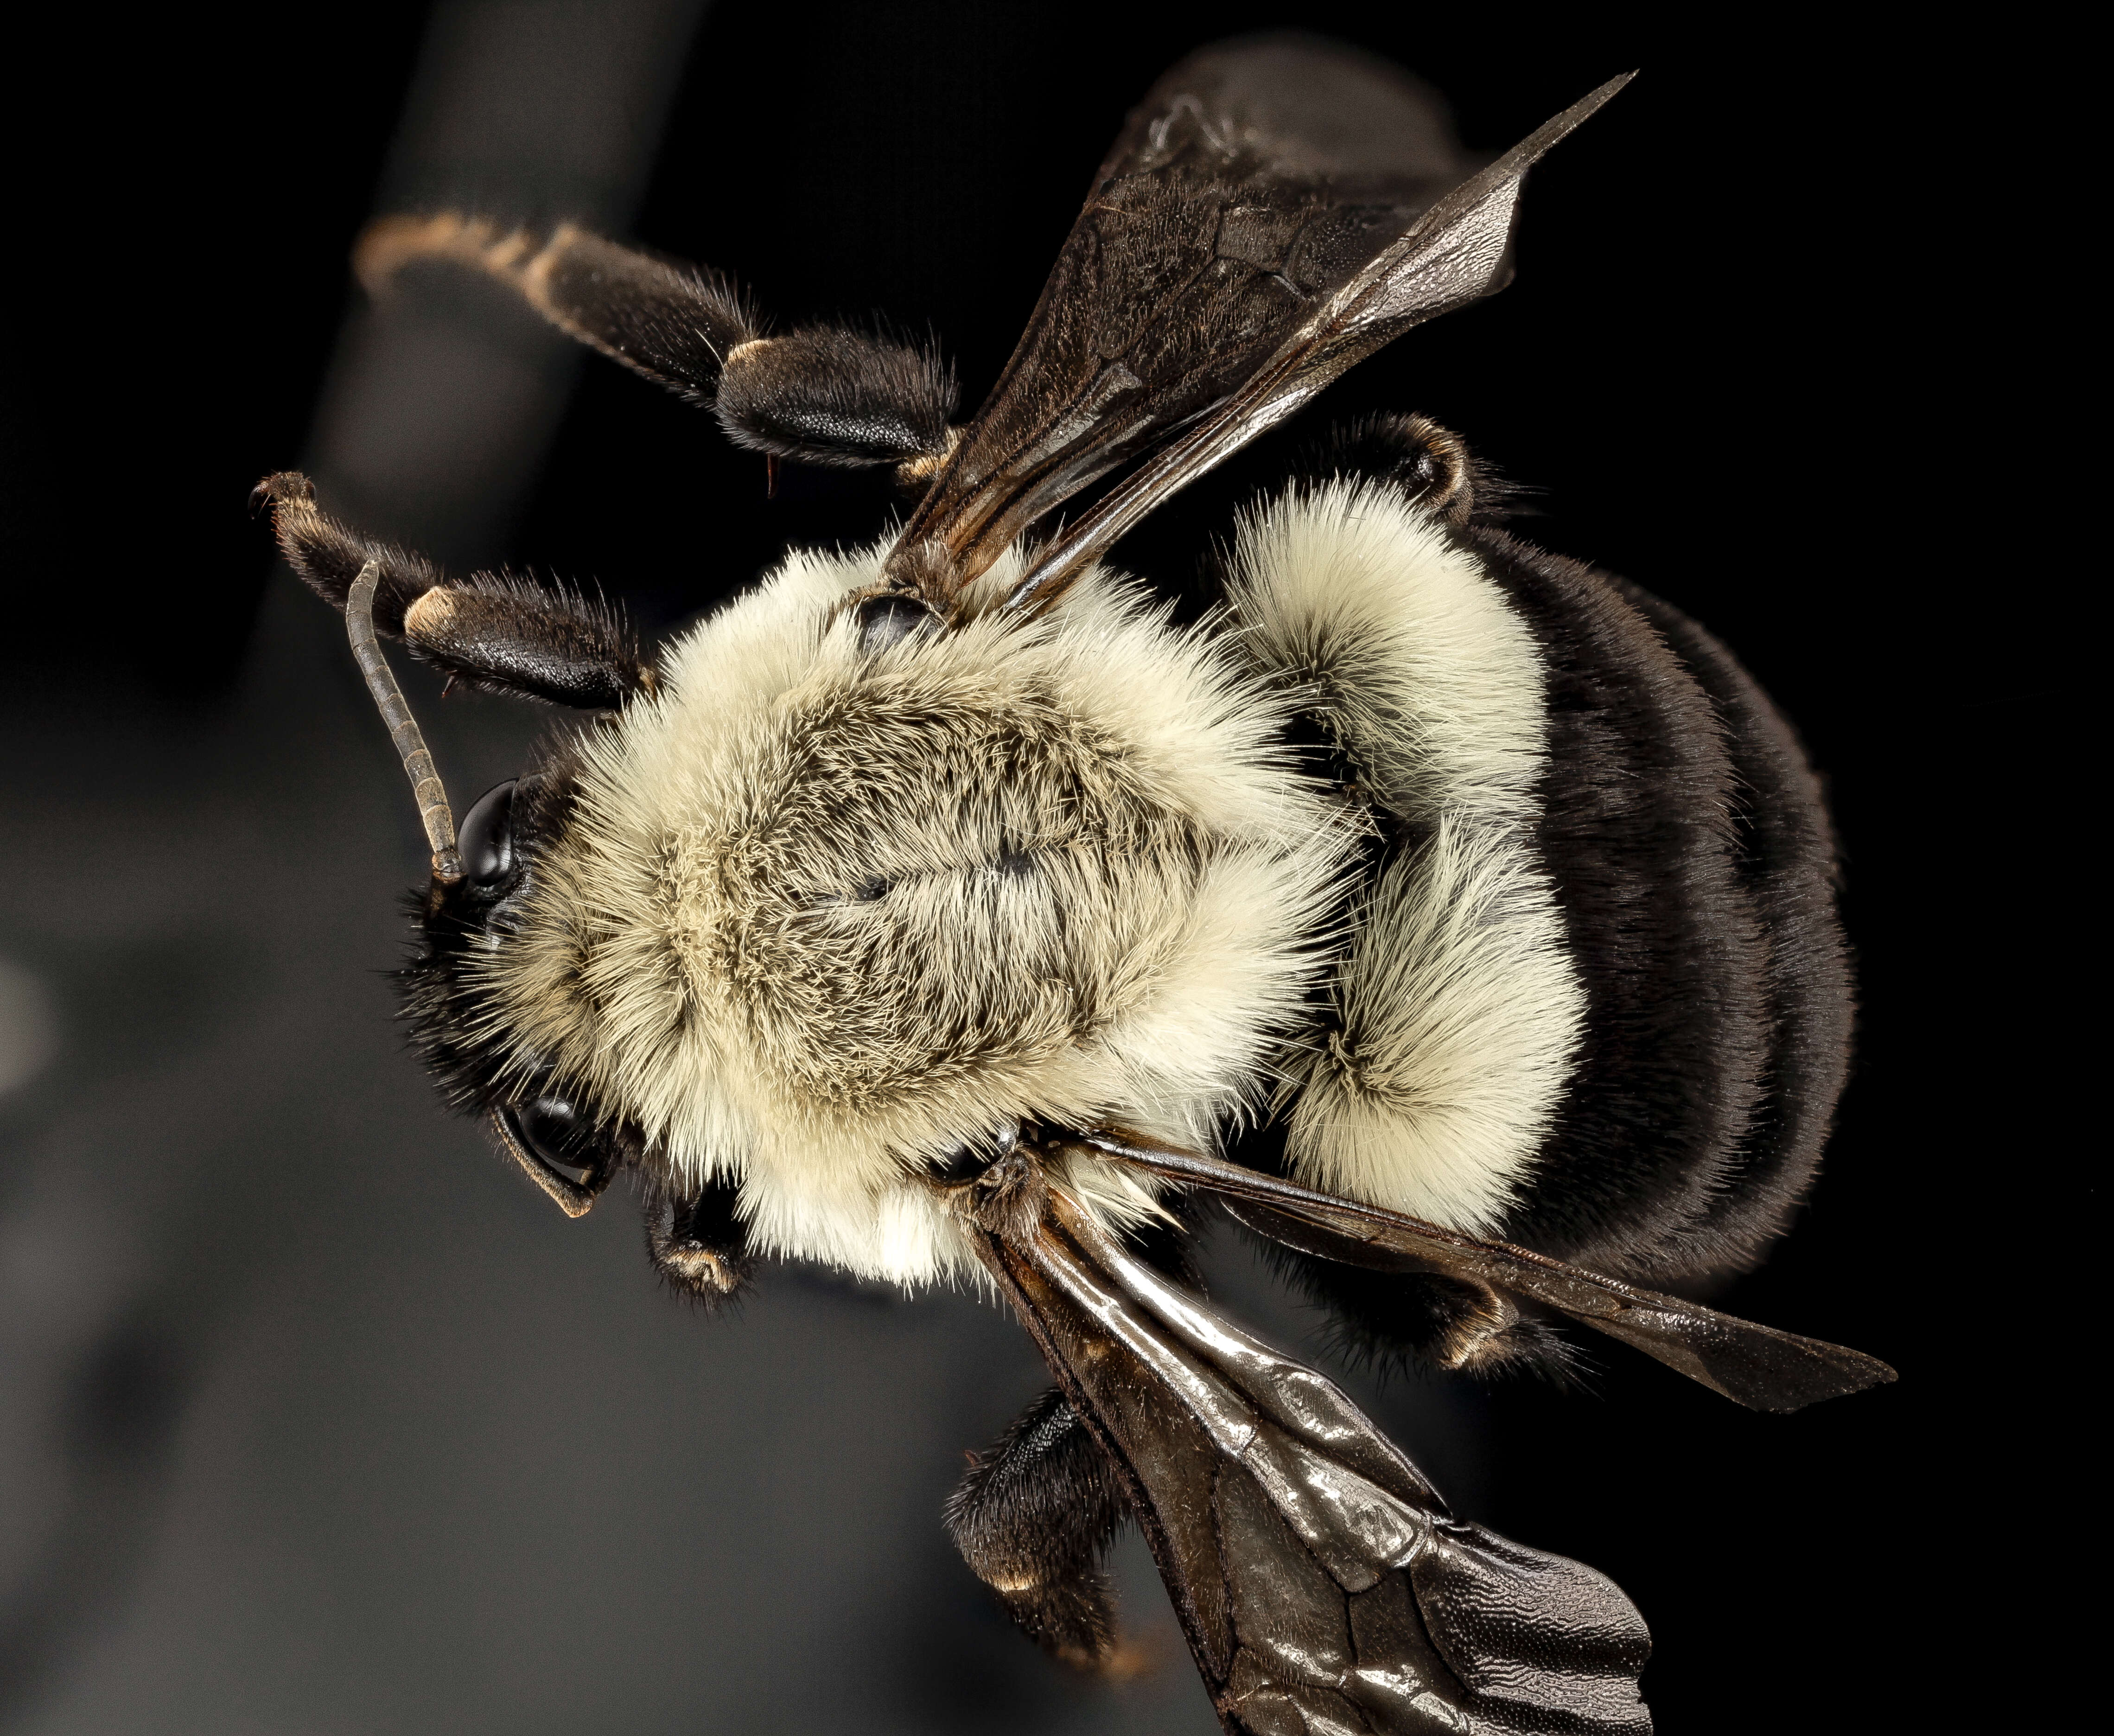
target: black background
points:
(1713, 367)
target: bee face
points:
(832, 905)
(502, 839)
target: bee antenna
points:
(433, 795)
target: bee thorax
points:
(834, 905)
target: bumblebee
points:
(937, 910)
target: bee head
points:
(554, 1123)
(565, 1142)
(481, 871)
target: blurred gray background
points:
(314, 1417)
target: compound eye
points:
(552, 1128)
(557, 1146)
(486, 837)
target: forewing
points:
(1454, 254)
(1255, 181)
(1754, 1365)
(1321, 1581)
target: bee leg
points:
(328, 556)
(493, 630)
(1032, 1517)
(1432, 463)
(824, 395)
(1434, 1321)
(698, 1245)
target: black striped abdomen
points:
(1690, 856)
(1786, 862)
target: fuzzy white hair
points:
(1458, 1015)
(824, 914)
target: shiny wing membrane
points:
(1752, 1365)
(1321, 1581)
(1272, 212)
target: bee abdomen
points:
(1452, 1024)
(1786, 861)
(1594, 998)
(1691, 860)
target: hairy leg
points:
(823, 395)
(698, 1245)
(1033, 1517)
(496, 631)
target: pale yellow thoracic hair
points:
(825, 915)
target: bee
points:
(940, 910)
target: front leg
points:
(504, 634)
(699, 1245)
(1033, 1516)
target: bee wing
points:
(1321, 1581)
(1272, 212)
(1752, 1365)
